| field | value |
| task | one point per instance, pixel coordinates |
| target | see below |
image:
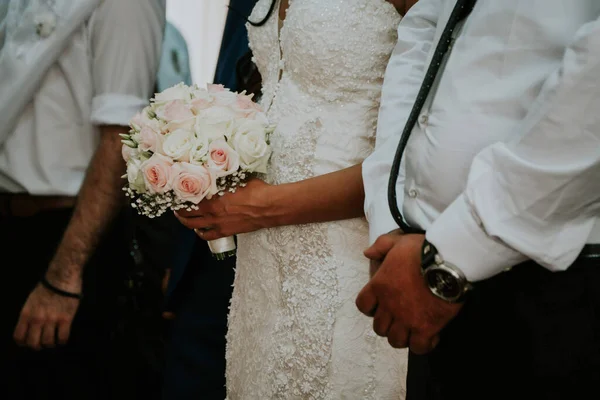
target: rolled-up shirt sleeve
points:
(126, 39)
(538, 196)
(403, 77)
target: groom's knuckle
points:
(382, 242)
(419, 344)
(397, 342)
(363, 302)
(379, 328)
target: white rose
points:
(144, 118)
(225, 98)
(177, 145)
(128, 152)
(199, 151)
(215, 122)
(201, 95)
(135, 176)
(187, 124)
(250, 142)
(177, 92)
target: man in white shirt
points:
(73, 75)
(502, 169)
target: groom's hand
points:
(404, 309)
(246, 210)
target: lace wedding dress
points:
(294, 329)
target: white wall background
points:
(201, 23)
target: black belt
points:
(22, 205)
(590, 251)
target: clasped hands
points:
(397, 297)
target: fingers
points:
(398, 335)
(20, 333)
(64, 331)
(199, 222)
(422, 343)
(382, 246)
(210, 234)
(34, 334)
(373, 267)
(48, 336)
(382, 322)
(45, 320)
(367, 301)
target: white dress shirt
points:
(104, 74)
(504, 163)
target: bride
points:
(294, 330)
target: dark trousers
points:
(195, 361)
(100, 361)
(525, 334)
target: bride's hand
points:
(247, 210)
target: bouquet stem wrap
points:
(222, 248)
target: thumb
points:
(381, 247)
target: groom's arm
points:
(538, 196)
(403, 78)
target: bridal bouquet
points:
(191, 144)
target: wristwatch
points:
(445, 280)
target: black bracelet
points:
(58, 291)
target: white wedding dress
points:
(294, 329)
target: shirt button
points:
(412, 193)
(45, 24)
(423, 119)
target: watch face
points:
(444, 283)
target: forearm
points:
(98, 202)
(335, 196)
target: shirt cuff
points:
(116, 109)
(380, 218)
(459, 237)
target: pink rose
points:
(157, 171)
(200, 104)
(193, 183)
(149, 140)
(245, 106)
(222, 158)
(175, 110)
(212, 88)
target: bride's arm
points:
(330, 197)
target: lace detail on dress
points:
(294, 330)
(304, 330)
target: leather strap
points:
(58, 291)
(461, 10)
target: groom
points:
(499, 299)
(200, 287)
